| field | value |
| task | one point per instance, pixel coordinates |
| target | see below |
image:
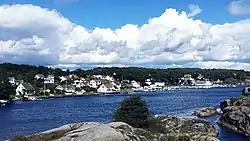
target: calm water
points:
(36, 116)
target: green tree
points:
(6, 90)
(132, 110)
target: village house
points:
(79, 91)
(98, 76)
(126, 81)
(135, 84)
(50, 79)
(25, 89)
(148, 82)
(15, 82)
(203, 83)
(93, 84)
(12, 80)
(39, 76)
(109, 78)
(74, 77)
(108, 88)
(159, 84)
(117, 85)
(68, 89)
(78, 83)
(59, 87)
(64, 78)
(187, 80)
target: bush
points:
(133, 111)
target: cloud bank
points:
(32, 35)
(240, 7)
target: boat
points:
(3, 102)
(30, 98)
(68, 93)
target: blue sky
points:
(145, 33)
(115, 13)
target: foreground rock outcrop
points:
(206, 112)
(236, 114)
(160, 128)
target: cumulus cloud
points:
(240, 7)
(194, 10)
(34, 35)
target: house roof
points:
(39, 75)
(108, 85)
(28, 86)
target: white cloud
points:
(194, 10)
(240, 7)
(33, 35)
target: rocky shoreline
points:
(236, 115)
(159, 128)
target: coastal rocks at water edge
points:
(236, 115)
(206, 112)
(160, 128)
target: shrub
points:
(133, 111)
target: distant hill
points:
(170, 75)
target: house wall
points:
(20, 90)
(93, 84)
(159, 84)
(102, 89)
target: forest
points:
(169, 75)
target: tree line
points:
(169, 75)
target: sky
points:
(145, 33)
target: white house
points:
(187, 80)
(107, 88)
(109, 78)
(39, 76)
(159, 84)
(116, 85)
(93, 84)
(59, 87)
(135, 84)
(98, 82)
(25, 89)
(78, 83)
(49, 79)
(148, 82)
(69, 88)
(63, 78)
(13, 81)
(80, 91)
(98, 76)
(203, 83)
(73, 76)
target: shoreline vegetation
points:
(32, 82)
(127, 91)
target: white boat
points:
(68, 93)
(51, 95)
(3, 102)
(32, 98)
